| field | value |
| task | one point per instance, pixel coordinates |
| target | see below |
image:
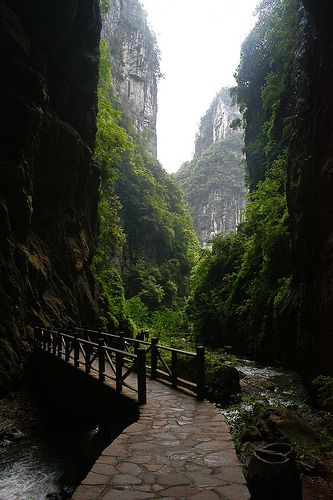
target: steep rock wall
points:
(48, 182)
(135, 65)
(215, 124)
(310, 198)
(213, 182)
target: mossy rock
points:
(222, 381)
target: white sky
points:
(200, 44)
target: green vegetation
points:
(213, 181)
(238, 289)
(218, 166)
(146, 245)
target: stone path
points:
(180, 448)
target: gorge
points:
(95, 233)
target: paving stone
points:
(157, 487)
(230, 474)
(140, 459)
(85, 492)
(206, 495)
(95, 479)
(179, 491)
(106, 469)
(234, 492)
(210, 446)
(143, 487)
(220, 458)
(105, 459)
(200, 479)
(149, 477)
(114, 494)
(134, 428)
(125, 479)
(115, 450)
(173, 479)
(153, 467)
(129, 468)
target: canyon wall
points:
(48, 182)
(135, 65)
(310, 197)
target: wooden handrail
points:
(80, 351)
(102, 353)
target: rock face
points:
(48, 182)
(213, 181)
(310, 200)
(215, 125)
(135, 65)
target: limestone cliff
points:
(48, 182)
(310, 188)
(213, 182)
(135, 65)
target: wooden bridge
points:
(115, 358)
(180, 447)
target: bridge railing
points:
(182, 369)
(125, 355)
(95, 356)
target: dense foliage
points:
(146, 242)
(219, 166)
(239, 288)
(213, 181)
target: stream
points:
(45, 455)
(274, 386)
(48, 444)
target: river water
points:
(48, 465)
(273, 386)
(48, 445)
(55, 453)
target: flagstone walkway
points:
(179, 448)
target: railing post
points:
(48, 333)
(101, 359)
(142, 389)
(54, 342)
(44, 340)
(153, 358)
(174, 369)
(121, 343)
(59, 345)
(119, 371)
(37, 338)
(76, 350)
(67, 346)
(200, 372)
(88, 358)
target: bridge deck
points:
(179, 448)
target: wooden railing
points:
(97, 350)
(95, 356)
